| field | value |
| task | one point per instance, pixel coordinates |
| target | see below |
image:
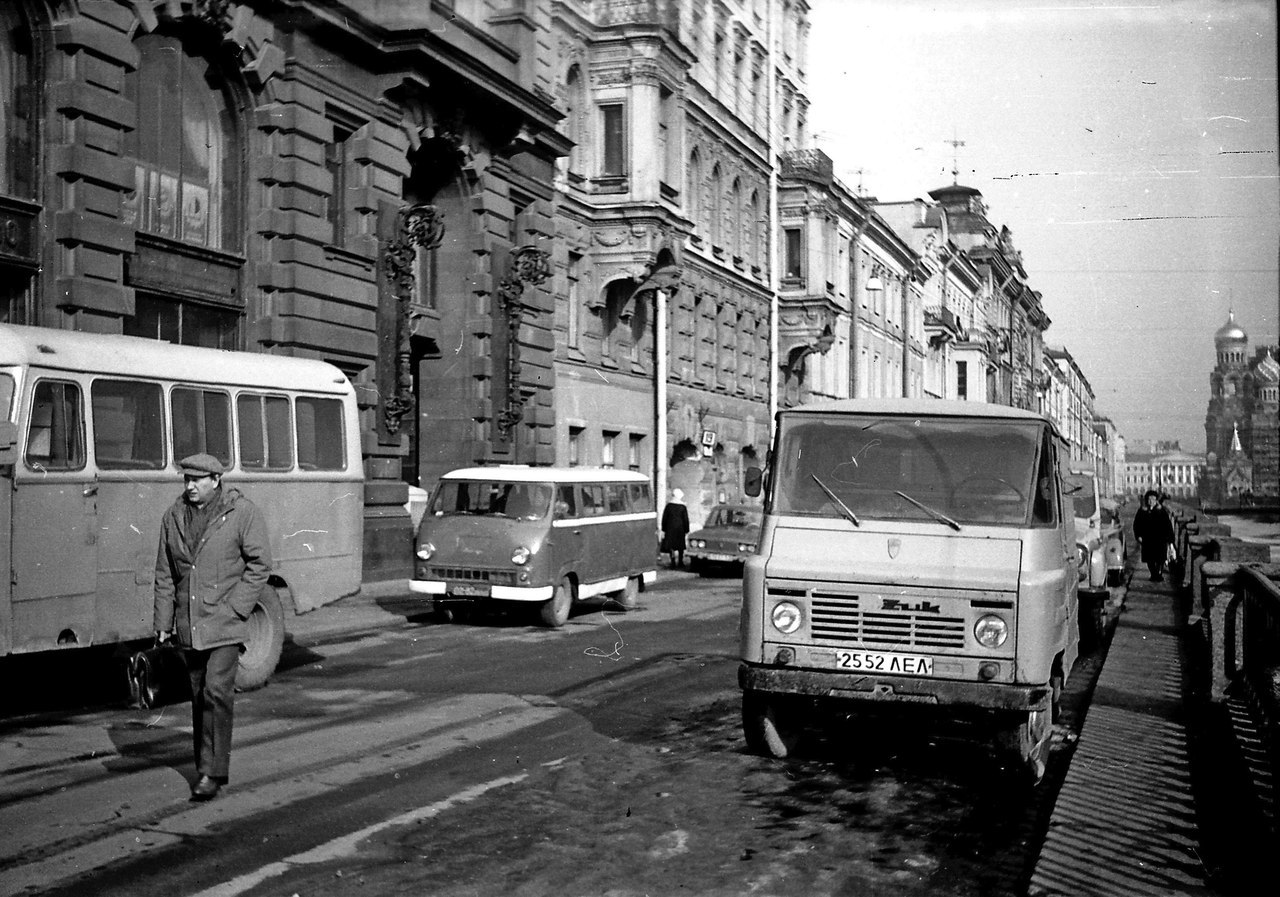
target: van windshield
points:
(969, 470)
(6, 397)
(1080, 488)
(492, 498)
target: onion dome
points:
(1231, 332)
(1268, 370)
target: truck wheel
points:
(766, 727)
(262, 649)
(555, 610)
(1028, 742)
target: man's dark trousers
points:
(213, 692)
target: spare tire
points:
(261, 651)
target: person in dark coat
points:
(213, 560)
(675, 526)
(1154, 531)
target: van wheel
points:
(262, 649)
(766, 727)
(555, 610)
(1028, 742)
(629, 597)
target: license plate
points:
(881, 662)
(716, 556)
(469, 590)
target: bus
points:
(91, 429)
(913, 552)
(545, 537)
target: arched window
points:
(693, 190)
(715, 208)
(757, 255)
(17, 105)
(186, 149)
(739, 220)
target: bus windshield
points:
(492, 498)
(948, 470)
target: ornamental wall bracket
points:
(529, 265)
(418, 227)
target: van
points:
(545, 537)
(913, 552)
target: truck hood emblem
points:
(895, 546)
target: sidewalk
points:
(1125, 822)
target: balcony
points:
(809, 165)
(638, 12)
(941, 326)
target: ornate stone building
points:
(1242, 424)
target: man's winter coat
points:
(206, 595)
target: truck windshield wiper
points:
(936, 515)
(844, 509)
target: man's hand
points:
(162, 637)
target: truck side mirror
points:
(8, 443)
(752, 480)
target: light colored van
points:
(92, 427)
(546, 536)
(913, 552)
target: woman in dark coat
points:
(675, 526)
(1154, 531)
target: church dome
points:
(1268, 370)
(1231, 332)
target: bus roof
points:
(133, 356)
(523, 473)
(920, 407)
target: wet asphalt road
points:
(496, 757)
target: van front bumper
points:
(444, 591)
(892, 689)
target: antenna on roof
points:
(955, 157)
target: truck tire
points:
(262, 649)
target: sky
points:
(1130, 148)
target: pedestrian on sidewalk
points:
(1154, 531)
(213, 560)
(675, 526)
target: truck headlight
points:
(990, 631)
(521, 555)
(786, 617)
(425, 550)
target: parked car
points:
(730, 534)
(1099, 552)
(1113, 537)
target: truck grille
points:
(473, 574)
(842, 619)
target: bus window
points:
(266, 438)
(55, 436)
(201, 423)
(321, 439)
(6, 397)
(566, 501)
(640, 497)
(592, 500)
(128, 425)
(616, 498)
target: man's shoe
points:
(206, 788)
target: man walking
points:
(213, 561)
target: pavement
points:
(1130, 817)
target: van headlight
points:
(1082, 561)
(425, 550)
(991, 631)
(786, 617)
(521, 555)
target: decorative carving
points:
(417, 227)
(529, 265)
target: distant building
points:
(1242, 424)
(1164, 467)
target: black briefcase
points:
(158, 676)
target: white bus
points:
(91, 429)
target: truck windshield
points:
(492, 498)
(971, 470)
(1080, 488)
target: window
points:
(693, 189)
(335, 162)
(634, 444)
(613, 162)
(321, 437)
(266, 436)
(615, 496)
(575, 98)
(573, 274)
(667, 143)
(962, 380)
(592, 500)
(640, 500)
(17, 104)
(185, 323)
(607, 449)
(201, 423)
(128, 425)
(575, 446)
(187, 170)
(55, 435)
(566, 501)
(793, 248)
